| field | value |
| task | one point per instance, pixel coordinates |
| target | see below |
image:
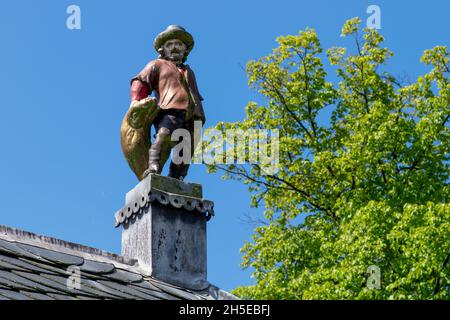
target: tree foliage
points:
(368, 187)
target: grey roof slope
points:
(34, 267)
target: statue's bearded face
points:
(174, 50)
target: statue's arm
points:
(143, 108)
(203, 118)
(143, 84)
(138, 90)
(195, 84)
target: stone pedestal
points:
(164, 228)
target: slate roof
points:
(34, 267)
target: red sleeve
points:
(138, 90)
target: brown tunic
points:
(164, 77)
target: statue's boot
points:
(159, 151)
(178, 171)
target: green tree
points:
(370, 187)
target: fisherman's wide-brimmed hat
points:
(174, 32)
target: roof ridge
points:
(13, 234)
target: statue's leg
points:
(180, 171)
(159, 152)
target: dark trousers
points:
(174, 119)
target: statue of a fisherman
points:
(177, 105)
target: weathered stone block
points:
(166, 237)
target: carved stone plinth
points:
(164, 228)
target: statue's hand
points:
(148, 102)
(142, 112)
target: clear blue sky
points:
(64, 93)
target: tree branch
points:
(437, 286)
(285, 105)
(308, 99)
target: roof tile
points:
(125, 276)
(25, 282)
(128, 290)
(97, 267)
(53, 256)
(13, 295)
(21, 265)
(36, 296)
